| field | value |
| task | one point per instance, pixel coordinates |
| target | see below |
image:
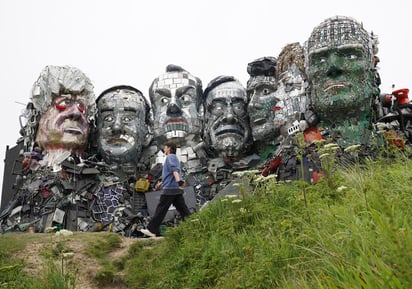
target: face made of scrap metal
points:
(226, 119)
(261, 107)
(175, 108)
(64, 125)
(292, 98)
(121, 125)
(341, 82)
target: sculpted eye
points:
(351, 56)
(80, 106)
(266, 91)
(108, 118)
(217, 108)
(238, 107)
(186, 98)
(128, 118)
(63, 104)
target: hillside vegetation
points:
(352, 230)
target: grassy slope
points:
(356, 234)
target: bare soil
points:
(80, 264)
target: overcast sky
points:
(131, 42)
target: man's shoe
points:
(147, 233)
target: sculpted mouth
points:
(73, 130)
(259, 121)
(173, 124)
(336, 85)
(229, 131)
(116, 141)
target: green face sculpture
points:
(341, 81)
(341, 76)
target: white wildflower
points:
(68, 255)
(236, 201)
(64, 233)
(331, 145)
(324, 155)
(352, 148)
(341, 188)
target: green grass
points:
(59, 271)
(355, 235)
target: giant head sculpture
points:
(292, 84)
(261, 88)
(227, 130)
(63, 98)
(176, 98)
(342, 83)
(122, 124)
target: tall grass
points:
(354, 235)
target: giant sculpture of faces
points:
(340, 71)
(176, 98)
(227, 130)
(291, 91)
(261, 88)
(64, 98)
(122, 124)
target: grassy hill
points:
(352, 230)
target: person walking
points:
(172, 184)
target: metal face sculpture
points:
(122, 124)
(64, 98)
(261, 88)
(226, 120)
(341, 75)
(176, 102)
(292, 84)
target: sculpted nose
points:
(117, 125)
(173, 107)
(335, 66)
(256, 105)
(229, 118)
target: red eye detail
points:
(61, 106)
(276, 108)
(80, 107)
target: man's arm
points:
(177, 178)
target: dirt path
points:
(79, 263)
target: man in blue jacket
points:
(172, 192)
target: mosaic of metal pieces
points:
(342, 86)
(291, 91)
(227, 130)
(63, 107)
(261, 88)
(122, 124)
(71, 172)
(176, 98)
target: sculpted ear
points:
(148, 136)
